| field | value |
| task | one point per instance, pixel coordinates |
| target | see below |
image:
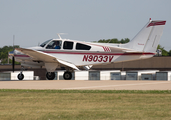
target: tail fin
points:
(148, 38)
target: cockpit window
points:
(56, 44)
(68, 45)
(43, 44)
(80, 46)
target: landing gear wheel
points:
(50, 75)
(67, 75)
(20, 76)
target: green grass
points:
(84, 104)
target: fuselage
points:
(81, 53)
(73, 55)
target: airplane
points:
(78, 55)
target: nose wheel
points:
(67, 75)
(20, 76)
(50, 75)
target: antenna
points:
(109, 41)
(60, 34)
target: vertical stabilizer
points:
(155, 35)
(148, 38)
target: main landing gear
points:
(51, 75)
(67, 75)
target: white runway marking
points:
(152, 83)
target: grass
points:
(84, 104)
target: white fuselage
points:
(75, 55)
(98, 54)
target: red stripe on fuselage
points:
(86, 53)
(97, 53)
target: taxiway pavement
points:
(86, 85)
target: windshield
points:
(55, 44)
(43, 44)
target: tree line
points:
(114, 40)
(126, 40)
(6, 49)
(4, 53)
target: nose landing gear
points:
(20, 76)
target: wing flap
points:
(68, 64)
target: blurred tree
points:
(164, 52)
(126, 40)
(4, 53)
(114, 40)
(169, 52)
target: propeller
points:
(13, 63)
(13, 58)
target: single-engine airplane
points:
(76, 55)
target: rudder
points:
(155, 35)
(148, 38)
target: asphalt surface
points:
(86, 85)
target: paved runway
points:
(87, 85)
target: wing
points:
(45, 57)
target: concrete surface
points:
(87, 85)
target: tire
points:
(20, 76)
(50, 75)
(67, 75)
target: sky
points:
(35, 21)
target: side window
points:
(68, 45)
(56, 44)
(80, 46)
